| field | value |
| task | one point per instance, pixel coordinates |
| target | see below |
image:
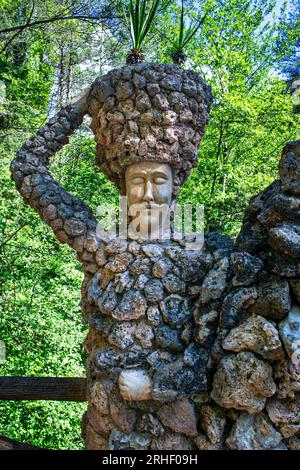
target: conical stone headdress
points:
(148, 112)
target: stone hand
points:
(135, 385)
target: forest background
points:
(247, 50)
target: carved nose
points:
(148, 196)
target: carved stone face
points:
(149, 187)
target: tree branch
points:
(19, 31)
(12, 235)
(51, 20)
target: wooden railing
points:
(9, 444)
(43, 388)
(39, 388)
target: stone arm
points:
(70, 219)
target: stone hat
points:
(148, 112)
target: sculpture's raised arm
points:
(70, 219)
(134, 119)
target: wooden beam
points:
(9, 444)
(43, 388)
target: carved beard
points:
(149, 221)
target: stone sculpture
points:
(185, 349)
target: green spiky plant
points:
(139, 19)
(184, 37)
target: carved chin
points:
(151, 227)
(135, 385)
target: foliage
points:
(185, 36)
(40, 320)
(251, 117)
(290, 64)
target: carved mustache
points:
(149, 205)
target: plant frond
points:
(181, 26)
(185, 37)
(193, 30)
(139, 20)
(149, 19)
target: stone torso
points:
(141, 300)
(139, 305)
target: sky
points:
(279, 4)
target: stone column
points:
(256, 384)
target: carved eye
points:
(159, 180)
(137, 180)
